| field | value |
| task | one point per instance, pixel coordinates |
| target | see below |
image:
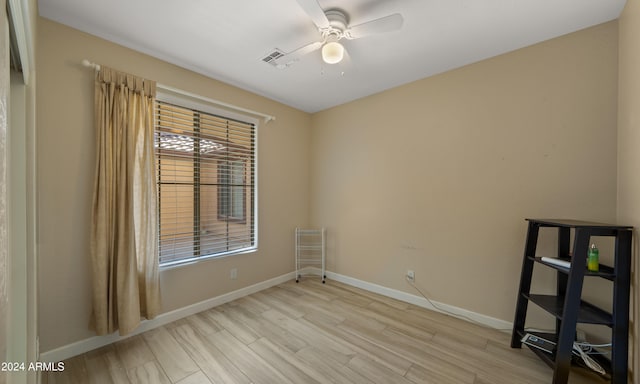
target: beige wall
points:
(438, 175)
(65, 181)
(628, 145)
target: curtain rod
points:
(267, 118)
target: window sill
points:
(195, 260)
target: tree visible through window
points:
(206, 184)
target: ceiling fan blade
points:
(315, 12)
(293, 56)
(381, 25)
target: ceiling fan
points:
(333, 25)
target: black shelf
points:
(605, 271)
(567, 305)
(588, 313)
(550, 358)
(568, 223)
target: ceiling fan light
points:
(332, 52)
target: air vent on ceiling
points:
(273, 56)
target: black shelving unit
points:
(567, 305)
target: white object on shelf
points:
(310, 251)
(558, 262)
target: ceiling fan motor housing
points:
(338, 22)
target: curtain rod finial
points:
(87, 63)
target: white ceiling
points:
(227, 39)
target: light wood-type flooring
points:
(313, 333)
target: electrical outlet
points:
(411, 276)
(233, 273)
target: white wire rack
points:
(310, 252)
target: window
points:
(206, 168)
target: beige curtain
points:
(123, 234)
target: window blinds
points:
(206, 184)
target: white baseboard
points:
(420, 301)
(82, 346)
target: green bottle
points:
(593, 259)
